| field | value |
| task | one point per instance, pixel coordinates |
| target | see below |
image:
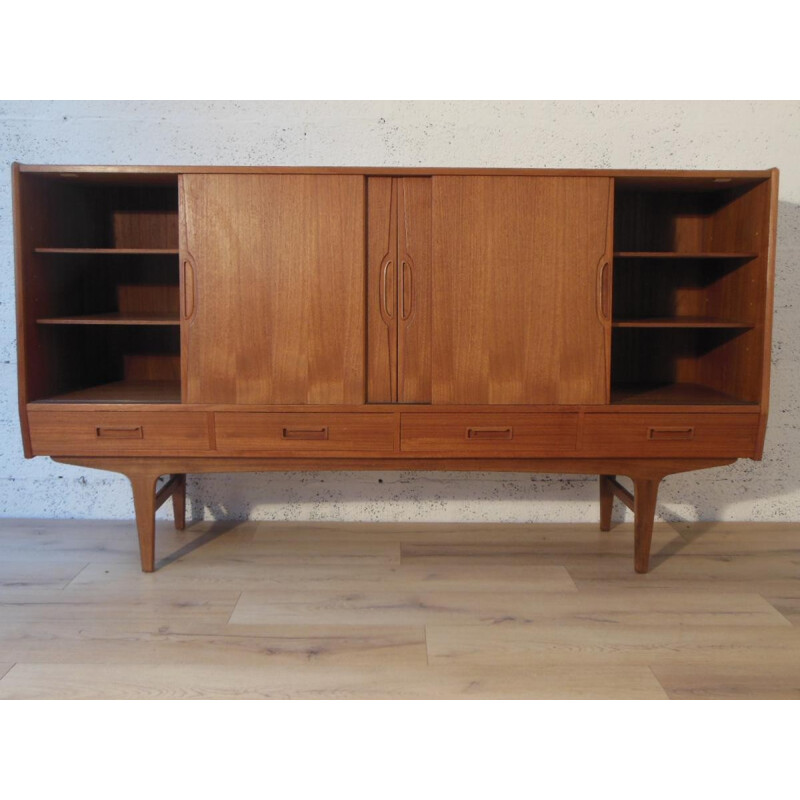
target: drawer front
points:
(495, 435)
(644, 434)
(272, 433)
(89, 433)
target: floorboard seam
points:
(76, 575)
(773, 606)
(236, 603)
(663, 688)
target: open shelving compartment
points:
(100, 270)
(688, 291)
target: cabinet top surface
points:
(99, 171)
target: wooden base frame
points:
(646, 474)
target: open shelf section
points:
(688, 295)
(125, 391)
(689, 394)
(679, 322)
(108, 251)
(101, 308)
(114, 318)
(644, 359)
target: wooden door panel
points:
(414, 290)
(381, 290)
(273, 301)
(516, 262)
(399, 290)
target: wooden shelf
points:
(107, 251)
(674, 255)
(123, 392)
(680, 322)
(687, 394)
(114, 318)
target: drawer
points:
(269, 433)
(91, 433)
(644, 434)
(489, 434)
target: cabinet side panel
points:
(278, 287)
(515, 289)
(771, 214)
(22, 362)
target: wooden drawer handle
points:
(305, 433)
(120, 433)
(670, 434)
(490, 433)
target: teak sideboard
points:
(176, 320)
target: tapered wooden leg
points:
(645, 493)
(144, 502)
(179, 503)
(606, 501)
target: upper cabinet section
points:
(290, 286)
(273, 288)
(521, 290)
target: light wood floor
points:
(322, 610)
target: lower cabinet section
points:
(307, 433)
(375, 434)
(646, 435)
(125, 433)
(495, 435)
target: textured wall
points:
(717, 135)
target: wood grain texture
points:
(35, 573)
(668, 434)
(278, 304)
(56, 430)
(769, 307)
(261, 433)
(414, 274)
(381, 290)
(273, 610)
(83, 681)
(515, 305)
(159, 174)
(399, 290)
(496, 434)
(594, 641)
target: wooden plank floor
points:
(323, 610)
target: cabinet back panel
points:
(685, 221)
(515, 289)
(276, 312)
(725, 289)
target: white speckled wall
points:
(681, 135)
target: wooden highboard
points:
(174, 320)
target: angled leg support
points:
(645, 494)
(643, 504)
(179, 502)
(146, 501)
